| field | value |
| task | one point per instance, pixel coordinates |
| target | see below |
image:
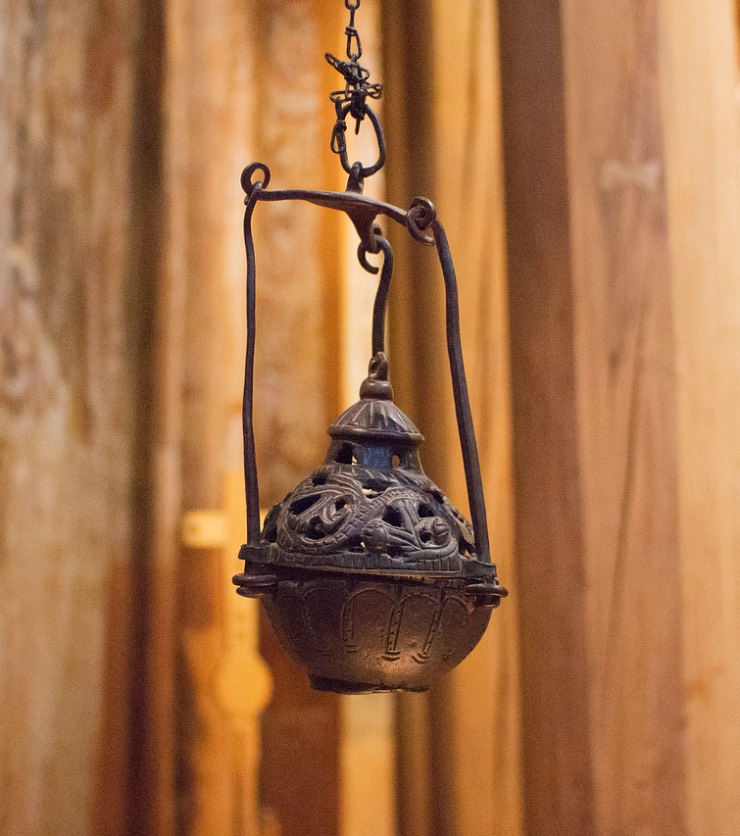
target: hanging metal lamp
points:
(372, 579)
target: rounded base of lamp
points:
(341, 686)
(355, 635)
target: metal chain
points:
(353, 100)
(352, 34)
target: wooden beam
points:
(233, 97)
(624, 383)
(298, 370)
(476, 710)
(699, 74)
(68, 371)
(442, 96)
(555, 750)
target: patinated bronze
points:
(372, 579)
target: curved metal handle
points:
(362, 211)
(251, 485)
(469, 447)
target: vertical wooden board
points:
(296, 351)
(698, 65)
(65, 416)
(624, 352)
(443, 118)
(414, 785)
(644, 331)
(368, 780)
(479, 752)
(300, 777)
(556, 756)
(209, 138)
(416, 302)
(298, 368)
(153, 307)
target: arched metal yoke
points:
(363, 211)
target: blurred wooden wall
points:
(458, 768)
(584, 158)
(69, 368)
(621, 153)
(244, 83)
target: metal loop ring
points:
(363, 250)
(248, 184)
(353, 40)
(338, 141)
(362, 258)
(352, 6)
(366, 171)
(420, 217)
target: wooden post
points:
(237, 92)
(621, 151)
(298, 369)
(459, 746)
(68, 371)
(233, 697)
(699, 72)
(476, 712)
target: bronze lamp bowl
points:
(372, 579)
(367, 570)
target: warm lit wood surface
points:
(206, 132)
(298, 368)
(622, 198)
(624, 353)
(124, 130)
(459, 747)
(477, 717)
(235, 95)
(699, 101)
(67, 384)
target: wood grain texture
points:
(205, 100)
(479, 749)
(557, 779)
(624, 351)
(619, 376)
(698, 65)
(66, 389)
(155, 307)
(298, 368)
(447, 120)
(214, 55)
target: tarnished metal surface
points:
(370, 508)
(372, 578)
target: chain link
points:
(352, 101)
(354, 46)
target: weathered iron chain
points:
(353, 36)
(353, 101)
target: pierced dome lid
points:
(375, 415)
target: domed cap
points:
(375, 415)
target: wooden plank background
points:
(458, 746)
(67, 395)
(622, 206)
(584, 158)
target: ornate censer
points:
(372, 579)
